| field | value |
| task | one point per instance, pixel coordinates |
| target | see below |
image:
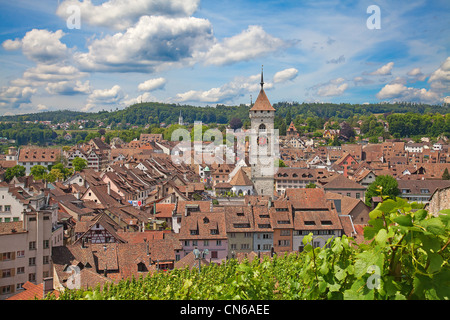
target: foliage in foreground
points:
(405, 256)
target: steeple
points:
(180, 120)
(262, 103)
(262, 81)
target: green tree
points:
(16, 171)
(38, 172)
(335, 141)
(63, 172)
(388, 185)
(235, 123)
(288, 118)
(310, 185)
(79, 163)
(54, 175)
(281, 163)
(446, 175)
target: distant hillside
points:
(156, 113)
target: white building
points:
(26, 248)
(414, 147)
(30, 157)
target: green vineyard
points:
(405, 257)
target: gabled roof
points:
(305, 198)
(34, 154)
(262, 103)
(239, 218)
(102, 219)
(31, 292)
(241, 179)
(203, 223)
(190, 262)
(341, 182)
(164, 210)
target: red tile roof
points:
(241, 179)
(39, 154)
(164, 210)
(31, 292)
(262, 103)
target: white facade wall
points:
(11, 209)
(262, 241)
(30, 254)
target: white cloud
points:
(360, 80)
(285, 75)
(154, 42)
(335, 87)
(416, 74)
(69, 87)
(392, 91)
(41, 107)
(52, 73)
(250, 43)
(12, 44)
(102, 97)
(152, 84)
(439, 82)
(341, 59)
(442, 74)
(47, 74)
(121, 14)
(239, 87)
(399, 92)
(145, 97)
(41, 46)
(15, 96)
(384, 70)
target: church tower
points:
(180, 120)
(262, 156)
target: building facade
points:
(25, 251)
(262, 144)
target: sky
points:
(93, 55)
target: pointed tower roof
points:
(241, 179)
(262, 103)
(292, 127)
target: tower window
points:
(262, 127)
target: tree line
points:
(404, 120)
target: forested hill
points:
(156, 113)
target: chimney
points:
(109, 188)
(146, 247)
(47, 286)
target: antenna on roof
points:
(262, 81)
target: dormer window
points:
(141, 267)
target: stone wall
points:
(439, 200)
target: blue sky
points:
(211, 52)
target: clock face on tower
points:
(262, 141)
